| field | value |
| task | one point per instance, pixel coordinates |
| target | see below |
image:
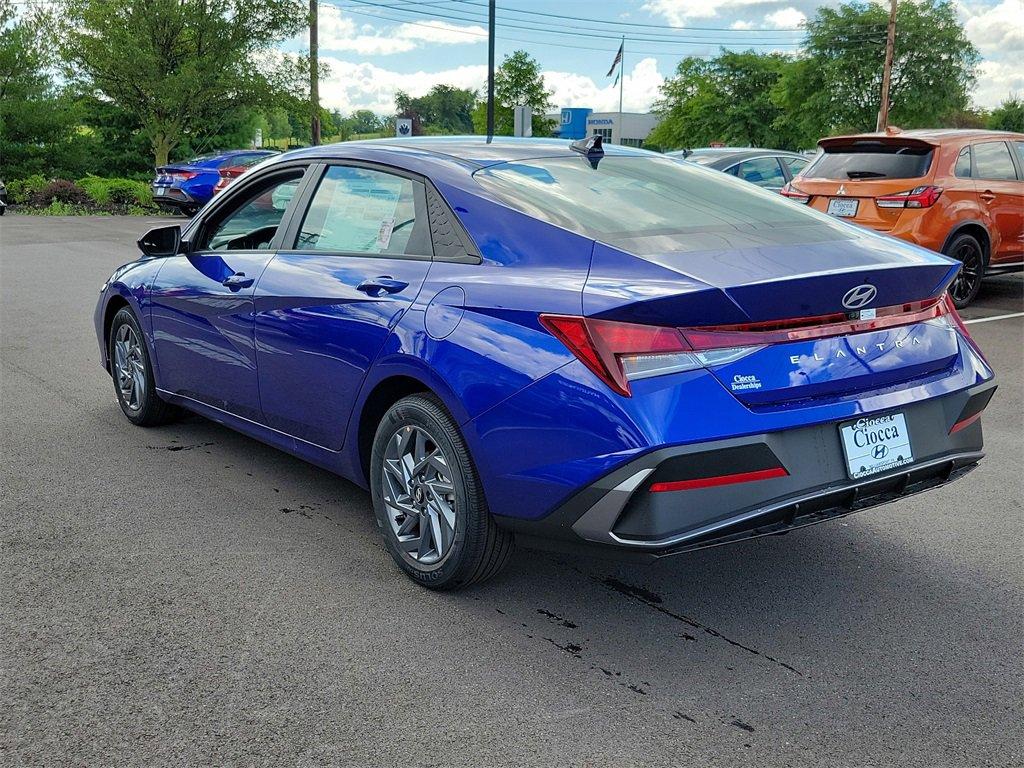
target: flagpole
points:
(622, 64)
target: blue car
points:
(552, 344)
(188, 186)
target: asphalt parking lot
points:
(187, 596)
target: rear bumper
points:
(620, 515)
(174, 196)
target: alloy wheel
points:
(970, 273)
(130, 367)
(419, 495)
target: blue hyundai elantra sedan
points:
(554, 344)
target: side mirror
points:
(161, 241)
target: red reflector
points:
(965, 423)
(711, 482)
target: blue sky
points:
(374, 47)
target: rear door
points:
(202, 306)
(1001, 194)
(850, 173)
(354, 262)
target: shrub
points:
(21, 191)
(61, 191)
(117, 194)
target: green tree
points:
(517, 82)
(445, 109)
(183, 68)
(1008, 116)
(38, 121)
(727, 99)
(933, 66)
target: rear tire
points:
(132, 372)
(969, 252)
(428, 500)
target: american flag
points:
(618, 58)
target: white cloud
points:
(741, 25)
(996, 30)
(639, 89)
(997, 81)
(363, 85)
(442, 32)
(340, 33)
(787, 18)
(678, 12)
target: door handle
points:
(238, 281)
(376, 286)
(988, 196)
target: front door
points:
(202, 306)
(326, 305)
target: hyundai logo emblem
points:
(860, 296)
(879, 452)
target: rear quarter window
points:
(872, 160)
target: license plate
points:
(841, 207)
(875, 444)
(159, 190)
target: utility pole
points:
(890, 42)
(314, 73)
(490, 70)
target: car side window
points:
(992, 161)
(252, 222)
(763, 171)
(365, 211)
(796, 164)
(963, 164)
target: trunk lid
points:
(757, 289)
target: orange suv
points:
(959, 192)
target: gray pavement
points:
(187, 596)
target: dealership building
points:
(629, 128)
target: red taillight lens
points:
(622, 352)
(820, 327)
(617, 352)
(795, 194)
(918, 197)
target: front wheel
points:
(130, 368)
(428, 500)
(967, 250)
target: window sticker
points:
(361, 214)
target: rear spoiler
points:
(867, 140)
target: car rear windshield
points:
(652, 204)
(873, 160)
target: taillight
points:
(183, 175)
(795, 194)
(622, 352)
(918, 197)
(619, 353)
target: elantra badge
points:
(861, 296)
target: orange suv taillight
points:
(918, 197)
